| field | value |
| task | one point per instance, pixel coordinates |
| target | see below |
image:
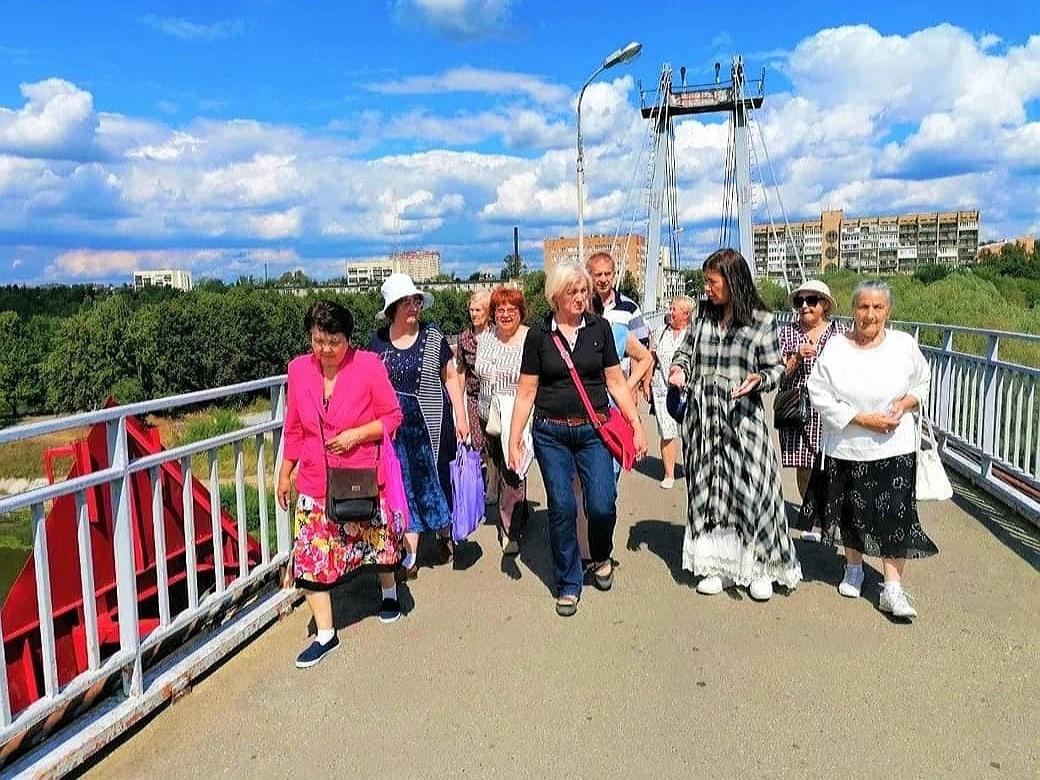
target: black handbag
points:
(791, 408)
(351, 494)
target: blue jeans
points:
(560, 450)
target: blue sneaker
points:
(313, 654)
(389, 610)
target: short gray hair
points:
(563, 276)
(480, 295)
(874, 285)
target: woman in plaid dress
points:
(801, 343)
(736, 532)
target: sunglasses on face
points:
(808, 300)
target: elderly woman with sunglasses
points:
(801, 343)
(423, 373)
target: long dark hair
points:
(741, 286)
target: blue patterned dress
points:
(425, 441)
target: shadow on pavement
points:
(665, 540)
(1010, 528)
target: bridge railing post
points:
(123, 549)
(281, 516)
(942, 415)
(989, 408)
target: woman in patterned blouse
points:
(737, 526)
(801, 343)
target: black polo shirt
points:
(593, 352)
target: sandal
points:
(603, 581)
(566, 606)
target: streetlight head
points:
(623, 55)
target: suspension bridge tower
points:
(670, 100)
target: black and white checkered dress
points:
(737, 526)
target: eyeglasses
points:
(506, 310)
(808, 300)
(333, 343)
(415, 300)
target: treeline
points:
(67, 349)
(134, 347)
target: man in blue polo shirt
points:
(620, 311)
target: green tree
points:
(630, 287)
(512, 267)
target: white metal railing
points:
(129, 661)
(985, 410)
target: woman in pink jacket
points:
(341, 411)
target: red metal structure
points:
(19, 611)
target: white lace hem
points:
(721, 554)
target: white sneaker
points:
(709, 586)
(851, 582)
(667, 483)
(810, 536)
(760, 589)
(897, 602)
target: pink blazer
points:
(363, 393)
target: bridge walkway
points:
(482, 679)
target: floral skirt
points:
(323, 553)
(873, 503)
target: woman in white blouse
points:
(668, 338)
(498, 370)
(864, 386)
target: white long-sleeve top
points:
(847, 380)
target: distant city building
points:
(1028, 243)
(628, 251)
(878, 244)
(164, 277)
(420, 264)
(368, 273)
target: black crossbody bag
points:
(351, 494)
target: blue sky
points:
(222, 136)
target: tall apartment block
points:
(420, 264)
(879, 245)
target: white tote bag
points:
(932, 482)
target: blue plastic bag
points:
(467, 487)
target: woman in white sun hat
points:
(423, 373)
(801, 343)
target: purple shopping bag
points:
(467, 487)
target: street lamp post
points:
(616, 58)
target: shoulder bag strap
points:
(593, 417)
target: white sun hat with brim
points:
(398, 286)
(812, 287)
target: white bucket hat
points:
(813, 286)
(398, 286)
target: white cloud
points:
(17, 262)
(468, 79)
(457, 19)
(279, 224)
(58, 121)
(186, 30)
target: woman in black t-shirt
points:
(565, 440)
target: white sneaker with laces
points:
(711, 585)
(896, 601)
(852, 582)
(761, 589)
(667, 483)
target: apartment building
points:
(878, 244)
(628, 251)
(368, 273)
(420, 264)
(163, 277)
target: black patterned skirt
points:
(873, 503)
